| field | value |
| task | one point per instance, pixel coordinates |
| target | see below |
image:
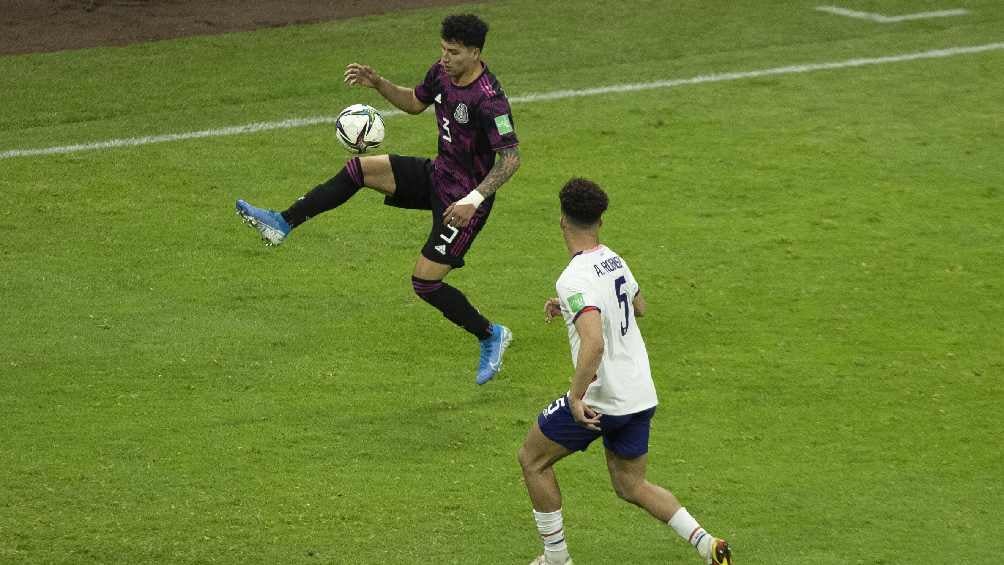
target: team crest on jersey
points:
(461, 114)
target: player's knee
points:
(377, 172)
(523, 456)
(526, 459)
(375, 164)
(626, 494)
(425, 288)
(628, 491)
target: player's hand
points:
(361, 75)
(584, 415)
(458, 216)
(552, 309)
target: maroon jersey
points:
(474, 122)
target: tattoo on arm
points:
(505, 166)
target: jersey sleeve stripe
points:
(583, 311)
(486, 86)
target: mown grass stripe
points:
(527, 98)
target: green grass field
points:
(823, 254)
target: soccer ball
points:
(359, 128)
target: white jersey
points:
(598, 279)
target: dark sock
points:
(327, 196)
(454, 306)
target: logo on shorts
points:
(441, 249)
(454, 231)
(461, 114)
(503, 124)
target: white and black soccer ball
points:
(359, 128)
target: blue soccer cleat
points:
(272, 226)
(492, 350)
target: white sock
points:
(552, 532)
(687, 527)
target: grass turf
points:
(822, 254)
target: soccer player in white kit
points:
(612, 394)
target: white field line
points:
(538, 97)
(882, 19)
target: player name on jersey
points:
(608, 266)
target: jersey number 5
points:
(623, 299)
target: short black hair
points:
(465, 29)
(583, 201)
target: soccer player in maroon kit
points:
(478, 153)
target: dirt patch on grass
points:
(31, 26)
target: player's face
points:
(457, 58)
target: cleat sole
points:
(250, 221)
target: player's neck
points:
(581, 242)
(469, 76)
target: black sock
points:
(454, 306)
(324, 197)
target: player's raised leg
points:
(537, 457)
(374, 172)
(427, 280)
(628, 478)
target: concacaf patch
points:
(576, 302)
(503, 124)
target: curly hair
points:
(583, 201)
(465, 29)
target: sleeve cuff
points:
(583, 311)
(506, 146)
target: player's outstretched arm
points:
(403, 98)
(506, 164)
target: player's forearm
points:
(403, 98)
(504, 168)
(640, 306)
(586, 366)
